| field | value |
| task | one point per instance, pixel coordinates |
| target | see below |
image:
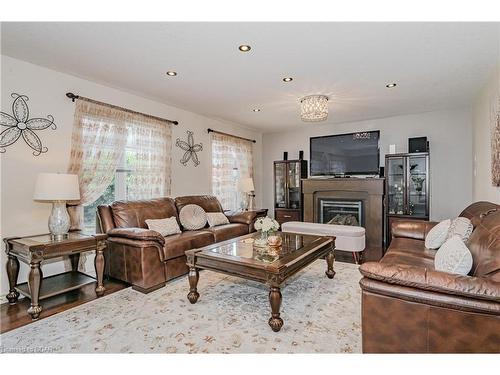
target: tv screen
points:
(345, 154)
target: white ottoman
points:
(347, 238)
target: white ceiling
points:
(436, 65)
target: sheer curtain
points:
(103, 136)
(232, 160)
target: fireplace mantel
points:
(368, 190)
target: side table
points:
(33, 250)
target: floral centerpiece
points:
(265, 225)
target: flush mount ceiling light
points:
(287, 79)
(244, 48)
(390, 85)
(171, 73)
(256, 109)
(314, 108)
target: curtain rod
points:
(73, 97)
(230, 135)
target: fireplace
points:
(341, 211)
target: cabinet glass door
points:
(293, 185)
(280, 184)
(395, 174)
(417, 181)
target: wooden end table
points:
(272, 266)
(33, 250)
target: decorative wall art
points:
(19, 124)
(495, 147)
(191, 149)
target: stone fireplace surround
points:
(368, 190)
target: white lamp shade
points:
(246, 185)
(56, 187)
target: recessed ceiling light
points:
(244, 48)
(287, 79)
(256, 109)
(171, 73)
(390, 85)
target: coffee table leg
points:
(329, 263)
(193, 278)
(12, 273)
(275, 299)
(34, 281)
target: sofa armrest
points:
(138, 234)
(414, 229)
(245, 217)
(434, 281)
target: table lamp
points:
(57, 188)
(246, 186)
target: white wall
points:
(449, 134)
(46, 91)
(483, 118)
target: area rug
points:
(320, 315)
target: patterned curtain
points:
(232, 160)
(102, 137)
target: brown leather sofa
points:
(146, 259)
(409, 307)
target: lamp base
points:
(59, 223)
(250, 201)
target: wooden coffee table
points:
(272, 266)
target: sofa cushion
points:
(208, 202)
(462, 227)
(193, 217)
(228, 231)
(130, 214)
(409, 251)
(177, 244)
(437, 235)
(216, 218)
(165, 227)
(453, 257)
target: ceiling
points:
(435, 65)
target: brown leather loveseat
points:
(409, 307)
(146, 259)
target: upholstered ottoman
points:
(347, 238)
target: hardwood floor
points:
(15, 316)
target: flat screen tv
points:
(345, 154)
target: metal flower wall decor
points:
(190, 149)
(495, 147)
(19, 124)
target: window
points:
(232, 160)
(117, 155)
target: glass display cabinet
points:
(288, 189)
(407, 188)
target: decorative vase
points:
(274, 240)
(262, 240)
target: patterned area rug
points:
(320, 315)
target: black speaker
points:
(381, 172)
(418, 144)
(301, 155)
(285, 155)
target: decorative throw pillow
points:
(216, 218)
(453, 257)
(461, 226)
(437, 235)
(165, 227)
(193, 217)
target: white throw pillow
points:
(437, 235)
(165, 227)
(216, 218)
(461, 226)
(193, 217)
(453, 257)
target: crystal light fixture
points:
(314, 108)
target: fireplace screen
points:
(341, 212)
